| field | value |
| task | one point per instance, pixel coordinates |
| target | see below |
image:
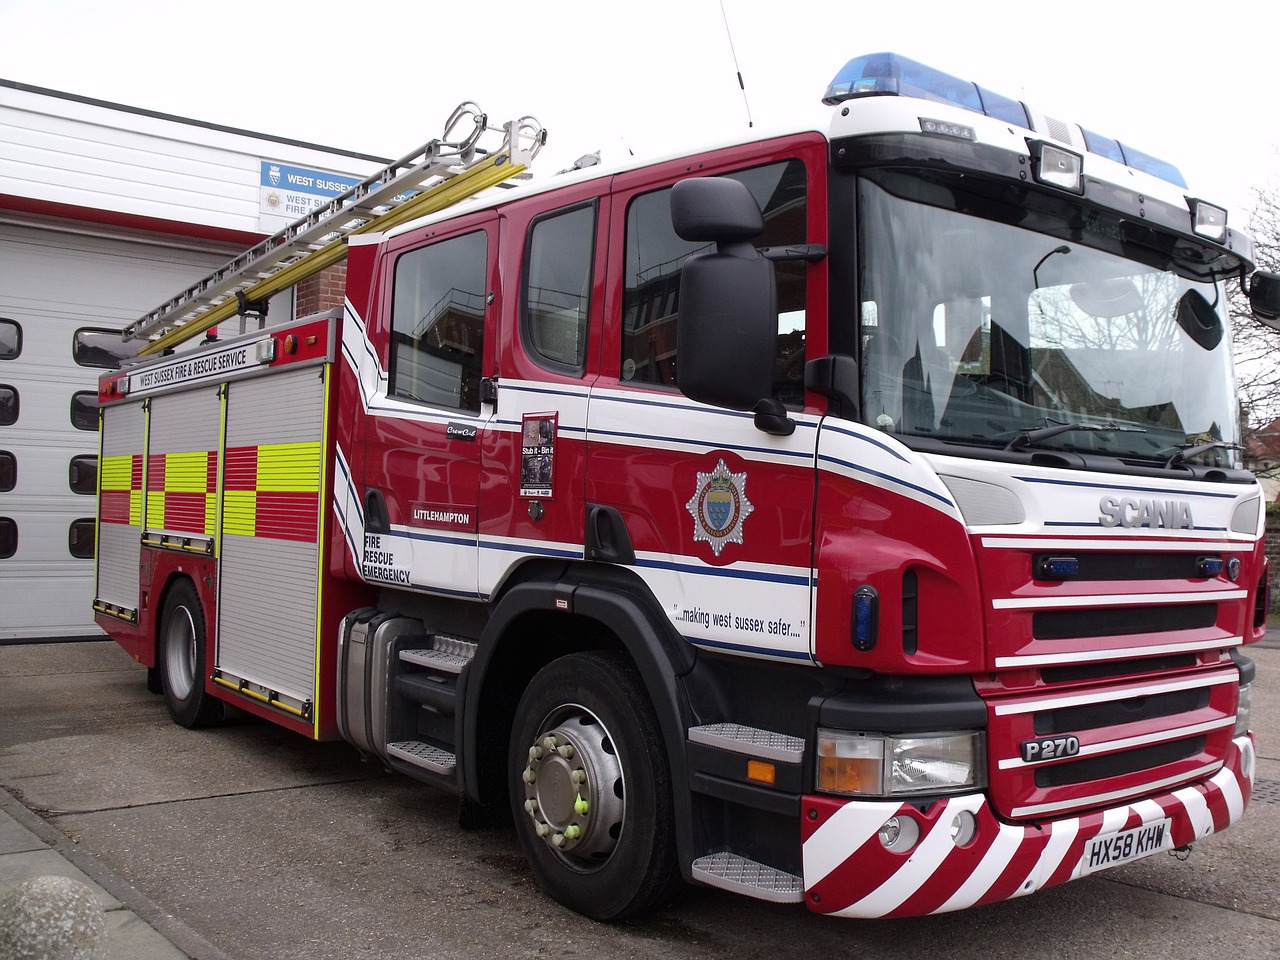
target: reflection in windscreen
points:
(976, 331)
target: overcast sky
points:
(1194, 88)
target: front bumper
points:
(849, 873)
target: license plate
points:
(1112, 849)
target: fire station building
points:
(106, 211)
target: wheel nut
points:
(578, 777)
(549, 741)
(535, 752)
(529, 775)
(572, 832)
(566, 751)
(558, 840)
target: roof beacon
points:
(890, 74)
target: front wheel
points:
(590, 788)
(182, 659)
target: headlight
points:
(1242, 710)
(875, 765)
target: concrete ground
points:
(247, 841)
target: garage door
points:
(55, 283)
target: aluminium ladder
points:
(440, 174)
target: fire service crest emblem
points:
(720, 507)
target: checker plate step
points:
(423, 755)
(749, 740)
(729, 871)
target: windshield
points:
(988, 320)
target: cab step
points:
(445, 655)
(423, 755)
(738, 874)
(751, 741)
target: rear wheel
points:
(590, 788)
(182, 659)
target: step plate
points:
(751, 741)
(423, 755)
(735, 873)
(436, 660)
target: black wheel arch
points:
(552, 612)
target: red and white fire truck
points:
(851, 517)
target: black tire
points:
(615, 856)
(182, 659)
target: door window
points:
(437, 323)
(655, 257)
(557, 288)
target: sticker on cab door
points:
(538, 455)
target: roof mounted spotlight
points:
(1207, 220)
(1056, 167)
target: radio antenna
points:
(742, 86)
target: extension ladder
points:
(440, 174)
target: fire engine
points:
(850, 517)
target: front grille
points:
(1107, 669)
(1117, 764)
(1133, 566)
(1094, 715)
(1121, 621)
(1127, 738)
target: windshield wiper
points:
(1186, 453)
(1035, 435)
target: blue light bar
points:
(891, 74)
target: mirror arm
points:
(808, 252)
(771, 418)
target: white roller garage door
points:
(54, 281)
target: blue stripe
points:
(863, 438)
(581, 393)
(1111, 487)
(649, 403)
(531, 551)
(884, 476)
(518, 424)
(729, 572)
(1095, 525)
(762, 651)
(803, 455)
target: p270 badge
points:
(1049, 748)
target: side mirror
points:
(728, 330)
(1264, 298)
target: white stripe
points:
(1011, 763)
(1118, 693)
(1100, 546)
(1063, 835)
(1119, 599)
(1197, 807)
(1099, 798)
(836, 840)
(987, 871)
(1123, 653)
(1231, 792)
(924, 861)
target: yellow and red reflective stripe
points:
(121, 489)
(181, 491)
(272, 490)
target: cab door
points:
(532, 499)
(421, 477)
(719, 512)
